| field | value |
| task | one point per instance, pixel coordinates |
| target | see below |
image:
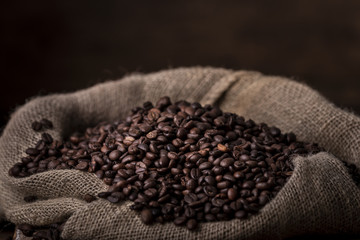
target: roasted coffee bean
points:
(191, 224)
(248, 185)
(180, 220)
(232, 194)
(210, 191)
(210, 180)
(240, 214)
(99, 174)
(36, 126)
(82, 166)
(251, 163)
(191, 184)
(205, 165)
(114, 155)
(89, 198)
(191, 197)
(178, 162)
(46, 123)
(210, 217)
(263, 199)
(190, 212)
(32, 151)
(217, 202)
(104, 194)
(26, 229)
(151, 192)
(229, 177)
(146, 216)
(152, 134)
(113, 199)
(262, 186)
(128, 158)
(46, 138)
(30, 198)
(51, 232)
(223, 184)
(274, 131)
(53, 164)
(223, 148)
(225, 163)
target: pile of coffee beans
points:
(48, 232)
(179, 162)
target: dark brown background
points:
(59, 46)
(56, 46)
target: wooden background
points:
(51, 46)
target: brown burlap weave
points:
(320, 197)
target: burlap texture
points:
(320, 197)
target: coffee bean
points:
(210, 180)
(191, 224)
(263, 199)
(210, 217)
(114, 155)
(26, 229)
(163, 102)
(99, 174)
(210, 191)
(145, 128)
(113, 199)
(32, 151)
(236, 205)
(191, 197)
(82, 166)
(146, 216)
(53, 164)
(225, 163)
(205, 165)
(251, 163)
(89, 198)
(248, 185)
(36, 126)
(217, 202)
(151, 192)
(164, 161)
(229, 177)
(232, 194)
(222, 148)
(46, 138)
(223, 184)
(30, 198)
(152, 134)
(190, 212)
(240, 214)
(180, 220)
(274, 131)
(104, 194)
(128, 158)
(46, 123)
(262, 186)
(191, 184)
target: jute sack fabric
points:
(320, 197)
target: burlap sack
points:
(320, 197)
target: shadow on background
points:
(61, 46)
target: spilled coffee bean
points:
(30, 199)
(179, 162)
(48, 232)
